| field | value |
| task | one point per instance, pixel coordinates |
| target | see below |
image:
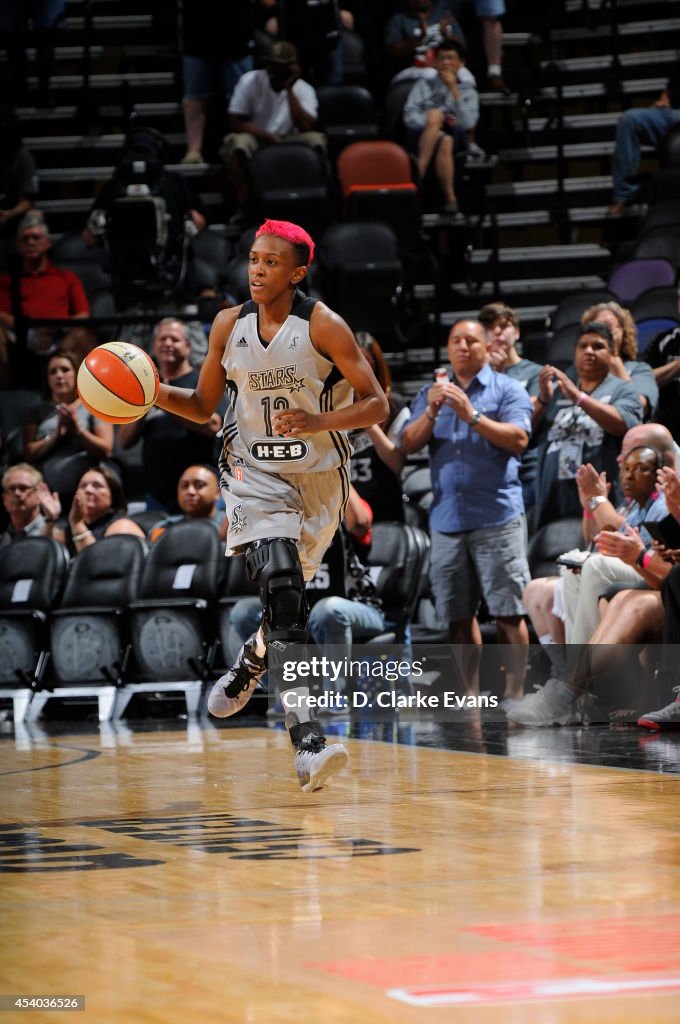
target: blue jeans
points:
(333, 621)
(640, 125)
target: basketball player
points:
(290, 366)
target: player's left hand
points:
(293, 422)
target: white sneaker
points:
(552, 704)
(315, 762)
(232, 691)
(474, 153)
(666, 718)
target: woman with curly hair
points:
(625, 363)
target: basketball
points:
(117, 382)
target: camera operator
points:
(144, 215)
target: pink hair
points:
(292, 233)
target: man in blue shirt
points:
(476, 426)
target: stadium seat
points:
(656, 302)
(377, 184)
(359, 274)
(346, 115)
(88, 632)
(559, 350)
(637, 276)
(32, 574)
(660, 243)
(551, 541)
(289, 182)
(647, 330)
(417, 491)
(571, 308)
(397, 563)
(173, 634)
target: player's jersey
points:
(264, 378)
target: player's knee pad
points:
(275, 565)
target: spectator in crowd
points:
(18, 174)
(556, 702)
(543, 596)
(439, 110)
(663, 355)
(60, 434)
(170, 444)
(315, 30)
(583, 414)
(502, 325)
(375, 468)
(476, 426)
(98, 510)
(39, 289)
(412, 36)
(215, 47)
(269, 106)
(198, 492)
(668, 717)
(31, 508)
(642, 503)
(648, 126)
(624, 362)
(489, 13)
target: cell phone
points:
(666, 531)
(572, 561)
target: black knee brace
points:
(275, 565)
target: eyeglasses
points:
(19, 488)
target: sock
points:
(494, 69)
(546, 638)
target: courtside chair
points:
(89, 636)
(172, 622)
(551, 541)
(32, 574)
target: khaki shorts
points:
(307, 507)
(247, 144)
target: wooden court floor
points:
(182, 876)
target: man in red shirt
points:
(42, 290)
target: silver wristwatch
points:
(475, 418)
(595, 501)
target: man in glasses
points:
(32, 510)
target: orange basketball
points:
(118, 382)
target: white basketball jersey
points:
(264, 378)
